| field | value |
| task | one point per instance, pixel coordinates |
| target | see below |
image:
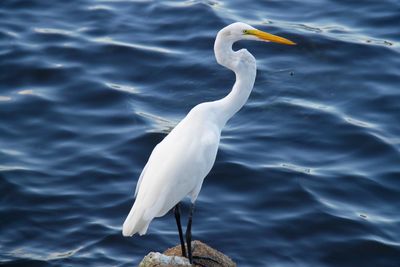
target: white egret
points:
(180, 162)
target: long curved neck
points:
(243, 64)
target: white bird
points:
(180, 162)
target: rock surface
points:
(202, 254)
(156, 259)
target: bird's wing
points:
(176, 168)
(140, 179)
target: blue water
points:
(307, 174)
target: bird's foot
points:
(184, 252)
(197, 259)
(196, 263)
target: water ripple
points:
(306, 174)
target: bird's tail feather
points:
(134, 223)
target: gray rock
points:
(154, 259)
(203, 254)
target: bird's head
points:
(242, 31)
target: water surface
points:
(308, 172)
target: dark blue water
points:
(308, 172)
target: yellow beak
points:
(270, 37)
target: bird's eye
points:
(244, 31)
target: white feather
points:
(178, 164)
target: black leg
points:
(178, 223)
(189, 234)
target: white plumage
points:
(179, 163)
(175, 169)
